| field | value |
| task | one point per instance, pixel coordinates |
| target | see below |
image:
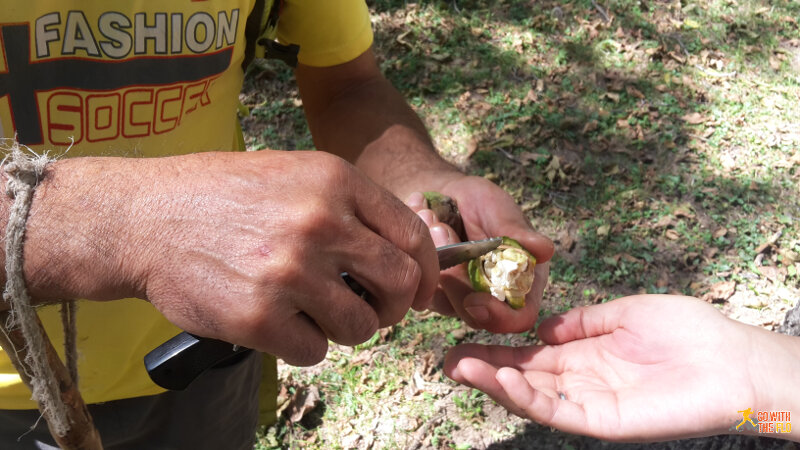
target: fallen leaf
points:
(684, 211)
(770, 242)
(672, 235)
(304, 401)
(773, 273)
(664, 221)
(694, 118)
(720, 292)
(590, 126)
(678, 58)
(632, 91)
(775, 63)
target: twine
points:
(24, 169)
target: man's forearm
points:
(368, 122)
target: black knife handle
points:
(176, 363)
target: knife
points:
(177, 362)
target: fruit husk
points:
(480, 282)
(446, 210)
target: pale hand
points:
(641, 368)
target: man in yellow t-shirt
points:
(244, 247)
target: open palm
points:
(641, 368)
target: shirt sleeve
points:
(329, 32)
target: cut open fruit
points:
(506, 272)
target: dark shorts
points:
(219, 410)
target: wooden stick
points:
(82, 434)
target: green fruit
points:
(506, 272)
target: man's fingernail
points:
(479, 313)
(416, 201)
(440, 235)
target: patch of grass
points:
(470, 404)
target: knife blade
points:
(177, 362)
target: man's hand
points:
(487, 211)
(244, 247)
(641, 368)
(353, 111)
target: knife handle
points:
(177, 362)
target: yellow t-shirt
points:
(139, 78)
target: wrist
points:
(775, 368)
(75, 229)
(404, 161)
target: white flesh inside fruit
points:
(507, 272)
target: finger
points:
(427, 216)
(456, 287)
(536, 405)
(416, 201)
(389, 275)
(581, 323)
(390, 218)
(541, 358)
(441, 304)
(441, 235)
(305, 345)
(539, 245)
(481, 375)
(346, 319)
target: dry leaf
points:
(672, 235)
(720, 292)
(664, 221)
(634, 92)
(694, 118)
(305, 400)
(684, 211)
(590, 126)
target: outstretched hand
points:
(640, 368)
(487, 211)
